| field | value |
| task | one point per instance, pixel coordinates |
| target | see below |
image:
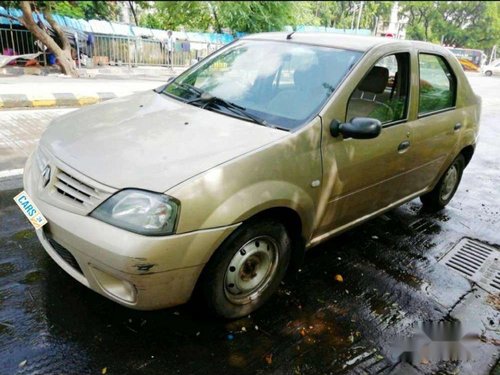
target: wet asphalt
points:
(50, 324)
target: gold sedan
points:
(221, 179)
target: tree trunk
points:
(131, 6)
(426, 30)
(63, 54)
(218, 27)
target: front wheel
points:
(247, 269)
(445, 189)
(488, 73)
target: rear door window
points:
(438, 84)
(383, 93)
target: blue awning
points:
(85, 25)
(101, 27)
(121, 29)
(59, 19)
(142, 31)
(73, 23)
(12, 12)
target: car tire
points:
(488, 73)
(445, 189)
(246, 269)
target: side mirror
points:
(358, 128)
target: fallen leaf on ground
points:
(339, 278)
(23, 363)
(269, 358)
(104, 370)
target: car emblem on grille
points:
(46, 175)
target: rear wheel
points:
(247, 269)
(445, 189)
(488, 73)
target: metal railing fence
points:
(117, 50)
(17, 42)
(114, 50)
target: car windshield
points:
(271, 83)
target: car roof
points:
(342, 41)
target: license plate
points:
(29, 209)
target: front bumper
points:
(137, 271)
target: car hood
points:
(150, 141)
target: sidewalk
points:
(96, 85)
(20, 131)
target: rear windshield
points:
(284, 84)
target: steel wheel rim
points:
(251, 270)
(449, 182)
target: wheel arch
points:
(294, 226)
(467, 153)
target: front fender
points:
(259, 197)
(282, 174)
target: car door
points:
(361, 176)
(438, 123)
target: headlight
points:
(139, 211)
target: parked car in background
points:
(493, 69)
(217, 182)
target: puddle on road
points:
(24, 235)
(32, 277)
(6, 268)
(381, 305)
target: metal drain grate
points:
(476, 261)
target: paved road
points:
(316, 325)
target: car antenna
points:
(289, 36)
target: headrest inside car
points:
(376, 80)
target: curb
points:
(13, 71)
(11, 183)
(53, 100)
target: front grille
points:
(65, 254)
(68, 189)
(76, 191)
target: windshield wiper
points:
(188, 87)
(235, 108)
(206, 98)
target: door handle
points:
(403, 146)
(457, 126)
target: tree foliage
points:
(100, 10)
(472, 24)
(255, 16)
(191, 15)
(344, 14)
